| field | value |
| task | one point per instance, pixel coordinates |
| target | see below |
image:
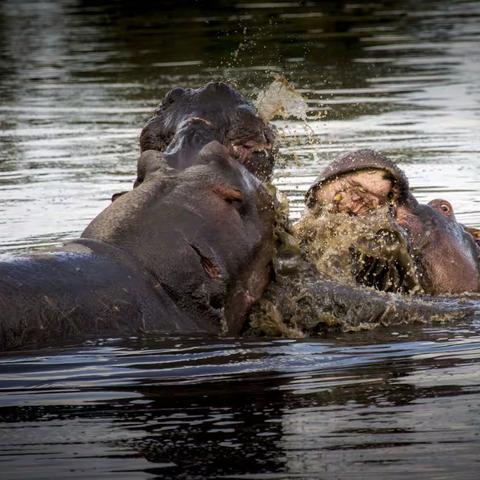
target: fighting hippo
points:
(365, 253)
(390, 241)
(189, 118)
(185, 251)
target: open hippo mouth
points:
(188, 119)
(364, 226)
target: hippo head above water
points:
(187, 251)
(204, 233)
(402, 245)
(189, 118)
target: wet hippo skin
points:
(189, 118)
(186, 251)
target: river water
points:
(77, 82)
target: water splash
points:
(368, 250)
(317, 289)
(281, 99)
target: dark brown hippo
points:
(412, 247)
(190, 118)
(185, 251)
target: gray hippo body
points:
(89, 290)
(186, 251)
(189, 249)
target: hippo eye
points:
(228, 193)
(445, 208)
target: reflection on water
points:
(390, 405)
(77, 82)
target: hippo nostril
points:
(173, 95)
(217, 87)
(216, 302)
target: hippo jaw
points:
(188, 119)
(417, 248)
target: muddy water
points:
(77, 80)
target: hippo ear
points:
(150, 162)
(115, 196)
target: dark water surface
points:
(78, 79)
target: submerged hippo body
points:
(89, 289)
(416, 244)
(185, 251)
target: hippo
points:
(188, 119)
(367, 253)
(409, 247)
(185, 251)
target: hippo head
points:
(402, 245)
(203, 234)
(189, 118)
